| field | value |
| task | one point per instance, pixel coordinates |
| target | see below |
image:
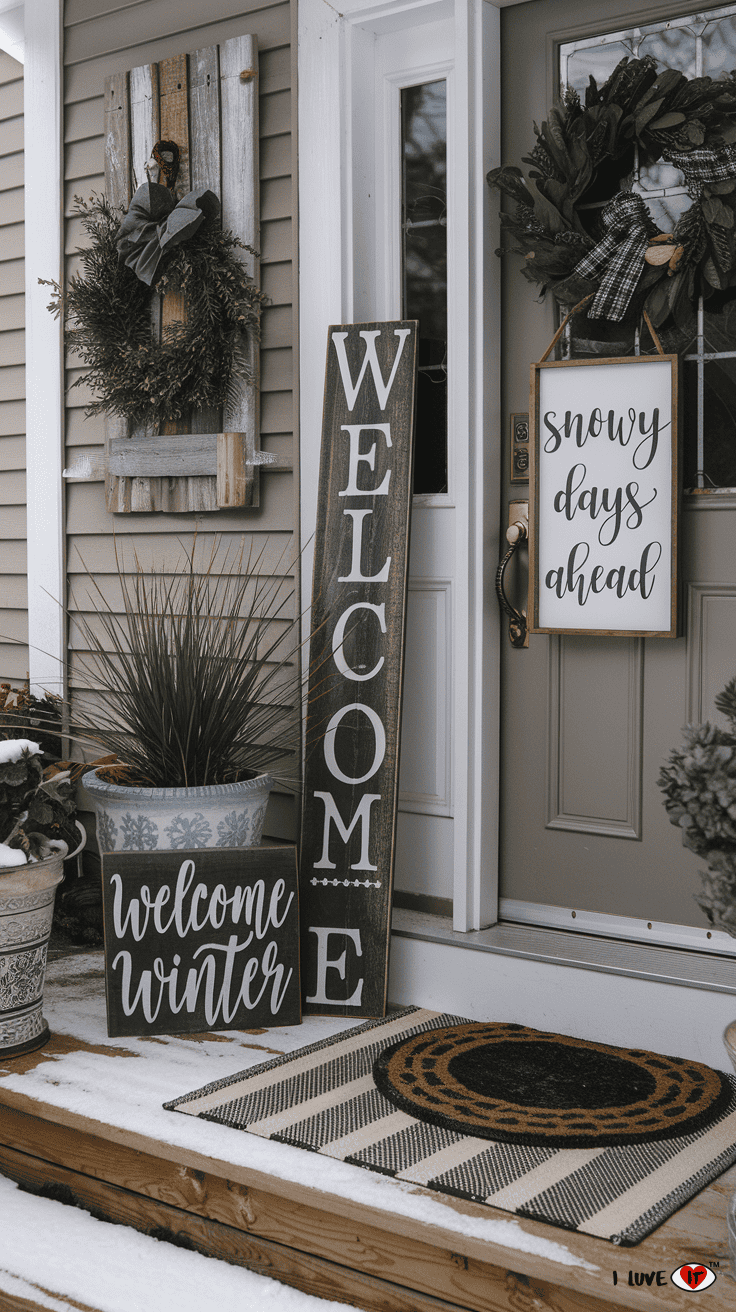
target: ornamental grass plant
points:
(197, 680)
(699, 784)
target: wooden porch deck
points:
(84, 1114)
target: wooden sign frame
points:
(207, 102)
(604, 496)
(356, 667)
(201, 941)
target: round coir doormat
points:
(525, 1086)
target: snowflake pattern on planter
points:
(258, 819)
(234, 829)
(189, 831)
(140, 834)
(107, 832)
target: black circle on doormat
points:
(519, 1085)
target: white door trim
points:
(332, 46)
(44, 258)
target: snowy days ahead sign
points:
(356, 656)
(200, 941)
(603, 539)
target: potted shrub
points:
(197, 694)
(22, 715)
(699, 784)
(37, 827)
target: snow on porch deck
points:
(51, 1253)
(122, 1085)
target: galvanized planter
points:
(27, 895)
(162, 819)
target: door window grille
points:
(698, 45)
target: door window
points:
(424, 268)
(698, 45)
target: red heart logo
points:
(693, 1275)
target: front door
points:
(589, 721)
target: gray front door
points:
(588, 721)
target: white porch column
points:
(44, 258)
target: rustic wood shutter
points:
(207, 102)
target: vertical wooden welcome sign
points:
(355, 667)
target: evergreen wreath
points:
(107, 313)
(581, 228)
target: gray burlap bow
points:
(155, 221)
(618, 259)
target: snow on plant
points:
(33, 807)
(699, 784)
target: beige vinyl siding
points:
(98, 43)
(13, 590)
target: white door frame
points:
(333, 48)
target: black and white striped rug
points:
(324, 1098)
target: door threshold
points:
(656, 933)
(583, 951)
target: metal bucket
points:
(27, 895)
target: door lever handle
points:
(517, 532)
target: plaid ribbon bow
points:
(618, 260)
(703, 165)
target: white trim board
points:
(604, 1007)
(44, 345)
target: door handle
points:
(517, 532)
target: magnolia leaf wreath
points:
(108, 315)
(583, 229)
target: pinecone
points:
(526, 219)
(574, 239)
(542, 160)
(571, 101)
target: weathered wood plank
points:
(191, 455)
(174, 457)
(232, 471)
(205, 156)
(240, 212)
(174, 126)
(17, 1303)
(174, 114)
(145, 131)
(102, 1173)
(144, 119)
(314, 1275)
(118, 184)
(204, 112)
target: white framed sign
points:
(604, 497)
